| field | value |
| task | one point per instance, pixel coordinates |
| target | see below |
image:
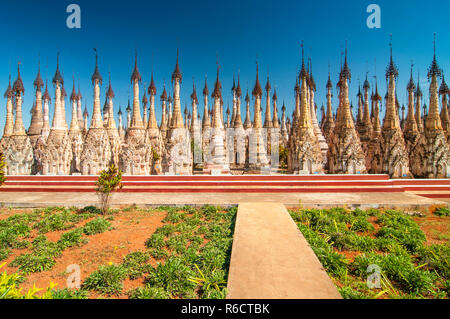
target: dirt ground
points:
(131, 230)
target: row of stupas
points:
(413, 146)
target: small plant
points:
(72, 238)
(442, 211)
(9, 288)
(109, 181)
(96, 226)
(70, 294)
(148, 293)
(106, 280)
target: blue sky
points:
(237, 32)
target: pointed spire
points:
(345, 73)
(79, 96)
(96, 76)
(268, 87)
(57, 78)
(135, 76)
(434, 69)
(194, 94)
(411, 86)
(38, 83)
(329, 84)
(274, 96)
(443, 89)
(366, 84)
(73, 96)
(18, 84)
(177, 73)
(163, 96)
(152, 87)
(205, 89)
(9, 91)
(238, 89)
(110, 92)
(233, 88)
(418, 90)
(218, 86)
(303, 72)
(257, 91)
(392, 68)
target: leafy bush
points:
(72, 238)
(148, 293)
(70, 294)
(136, 264)
(109, 181)
(29, 263)
(106, 280)
(9, 288)
(96, 226)
(442, 211)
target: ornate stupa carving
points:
(284, 132)
(346, 155)
(96, 154)
(437, 148)
(365, 129)
(9, 124)
(56, 154)
(178, 156)
(395, 155)
(136, 156)
(445, 121)
(163, 126)
(257, 153)
(115, 140)
(237, 146)
(37, 117)
(153, 131)
(415, 141)
(75, 135)
(120, 129)
(217, 158)
(317, 131)
(374, 158)
(19, 156)
(305, 154)
(328, 124)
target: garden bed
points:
(411, 262)
(130, 253)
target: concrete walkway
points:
(271, 259)
(403, 200)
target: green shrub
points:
(4, 253)
(72, 238)
(29, 263)
(442, 211)
(148, 293)
(107, 280)
(96, 226)
(136, 264)
(172, 276)
(70, 294)
(110, 180)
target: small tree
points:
(109, 181)
(2, 169)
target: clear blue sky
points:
(237, 31)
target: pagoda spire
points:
(238, 92)
(152, 124)
(136, 119)
(433, 120)
(97, 80)
(176, 118)
(248, 121)
(410, 124)
(268, 120)
(73, 98)
(217, 94)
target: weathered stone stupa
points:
(346, 155)
(96, 154)
(178, 156)
(305, 154)
(395, 155)
(56, 154)
(136, 156)
(437, 148)
(19, 152)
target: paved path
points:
(271, 259)
(403, 200)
